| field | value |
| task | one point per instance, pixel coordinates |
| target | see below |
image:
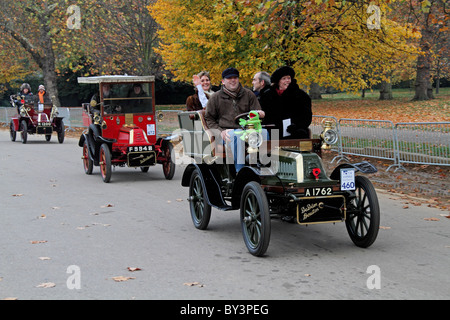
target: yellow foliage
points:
(326, 42)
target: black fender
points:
(210, 184)
(90, 144)
(57, 122)
(94, 141)
(244, 176)
(363, 167)
(162, 142)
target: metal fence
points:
(415, 142)
(423, 142)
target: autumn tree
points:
(33, 27)
(431, 18)
(330, 43)
(92, 36)
(122, 38)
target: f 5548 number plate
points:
(318, 191)
(140, 148)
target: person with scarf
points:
(287, 106)
(42, 98)
(223, 107)
(199, 99)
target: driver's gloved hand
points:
(297, 132)
(292, 128)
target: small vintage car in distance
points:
(35, 118)
(121, 127)
(282, 179)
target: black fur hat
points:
(280, 73)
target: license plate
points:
(140, 148)
(348, 179)
(44, 124)
(318, 192)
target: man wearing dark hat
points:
(227, 103)
(287, 106)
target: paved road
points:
(64, 229)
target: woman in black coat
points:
(287, 106)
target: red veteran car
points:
(34, 117)
(121, 127)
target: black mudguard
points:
(210, 184)
(363, 167)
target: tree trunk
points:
(48, 61)
(314, 91)
(386, 91)
(423, 79)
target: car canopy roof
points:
(118, 78)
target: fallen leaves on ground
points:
(193, 284)
(396, 110)
(132, 269)
(37, 241)
(122, 278)
(46, 285)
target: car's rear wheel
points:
(200, 209)
(169, 162)
(88, 164)
(12, 132)
(24, 133)
(363, 216)
(105, 162)
(255, 219)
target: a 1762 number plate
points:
(318, 191)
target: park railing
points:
(403, 142)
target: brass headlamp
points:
(329, 134)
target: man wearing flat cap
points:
(227, 103)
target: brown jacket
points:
(222, 108)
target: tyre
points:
(363, 215)
(61, 132)
(255, 219)
(88, 164)
(105, 162)
(24, 133)
(169, 162)
(48, 137)
(12, 132)
(199, 207)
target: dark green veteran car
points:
(282, 179)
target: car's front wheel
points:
(24, 133)
(169, 162)
(12, 132)
(363, 215)
(105, 162)
(61, 132)
(255, 219)
(88, 164)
